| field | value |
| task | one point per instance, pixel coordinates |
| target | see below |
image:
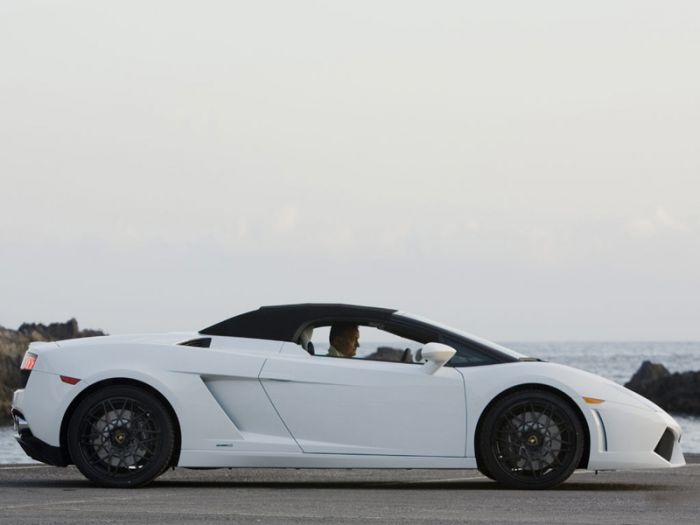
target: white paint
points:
(273, 405)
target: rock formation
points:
(678, 392)
(13, 345)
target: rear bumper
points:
(34, 447)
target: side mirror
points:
(435, 356)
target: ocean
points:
(616, 361)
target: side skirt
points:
(208, 459)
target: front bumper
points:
(34, 447)
(635, 438)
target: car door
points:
(356, 406)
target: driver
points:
(344, 339)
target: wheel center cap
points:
(532, 440)
(119, 437)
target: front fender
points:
(624, 429)
(483, 384)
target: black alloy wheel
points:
(121, 436)
(531, 440)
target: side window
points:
(468, 355)
(374, 345)
(320, 340)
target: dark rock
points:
(648, 377)
(51, 332)
(677, 392)
(13, 345)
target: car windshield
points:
(461, 333)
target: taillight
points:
(26, 368)
(28, 362)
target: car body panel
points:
(355, 406)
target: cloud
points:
(660, 221)
(287, 219)
(664, 219)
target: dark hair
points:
(340, 329)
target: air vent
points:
(201, 342)
(24, 378)
(665, 446)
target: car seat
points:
(305, 340)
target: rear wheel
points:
(531, 440)
(121, 436)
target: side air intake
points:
(200, 342)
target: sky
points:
(520, 170)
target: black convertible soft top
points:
(283, 323)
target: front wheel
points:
(531, 440)
(121, 436)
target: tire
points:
(121, 436)
(531, 440)
(480, 466)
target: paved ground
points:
(38, 494)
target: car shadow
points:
(405, 485)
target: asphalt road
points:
(39, 494)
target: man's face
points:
(348, 343)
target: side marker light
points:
(70, 380)
(593, 400)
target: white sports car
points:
(257, 390)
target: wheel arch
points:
(120, 381)
(546, 388)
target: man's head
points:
(345, 338)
